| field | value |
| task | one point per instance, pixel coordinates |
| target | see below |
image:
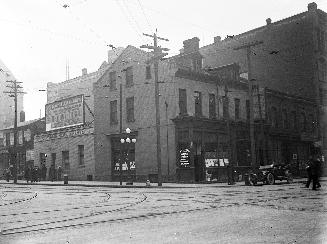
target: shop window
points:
(130, 109)
(65, 159)
(112, 80)
(302, 122)
(212, 106)
(81, 154)
(129, 76)
(247, 108)
(182, 102)
(113, 112)
(237, 108)
(148, 72)
(198, 103)
(285, 119)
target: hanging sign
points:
(184, 160)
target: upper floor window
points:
(247, 108)
(237, 108)
(273, 117)
(112, 80)
(293, 120)
(182, 101)
(129, 76)
(225, 107)
(311, 123)
(130, 109)
(212, 106)
(302, 122)
(65, 159)
(113, 112)
(198, 103)
(285, 119)
(321, 70)
(148, 72)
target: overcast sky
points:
(39, 36)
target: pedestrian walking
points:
(230, 174)
(309, 171)
(316, 168)
(59, 172)
(34, 174)
(27, 174)
(7, 174)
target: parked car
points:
(268, 174)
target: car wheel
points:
(270, 179)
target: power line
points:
(145, 16)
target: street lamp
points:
(125, 140)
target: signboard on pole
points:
(64, 113)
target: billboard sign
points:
(64, 113)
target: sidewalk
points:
(138, 184)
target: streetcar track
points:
(20, 200)
(10, 231)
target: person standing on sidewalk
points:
(309, 171)
(316, 168)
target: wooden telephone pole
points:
(14, 93)
(248, 47)
(157, 55)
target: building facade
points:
(290, 59)
(26, 133)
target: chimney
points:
(84, 71)
(191, 45)
(268, 21)
(217, 39)
(312, 6)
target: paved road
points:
(280, 213)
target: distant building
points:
(292, 59)
(26, 132)
(69, 137)
(7, 105)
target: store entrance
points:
(199, 167)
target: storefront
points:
(204, 149)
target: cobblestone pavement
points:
(281, 213)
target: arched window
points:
(293, 120)
(302, 122)
(285, 119)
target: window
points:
(65, 159)
(273, 117)
(129, 76)
(113, 112)
(53, 159)
(225, 107)
(285, 119)
(293, 120)
(311, 123)
(112, 80)
(81, 154)
(198, 103)
(182, 102)
(302, 122)
(247, 108)
(237, 108)
(7, 139)
(212, 106)
(130, 109)
(148, 72)
(42, 158)
(321, 40)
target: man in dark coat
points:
(44, 171)
(309, 171)
(27, 174)
(316, 168)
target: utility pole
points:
(248, 47)
(228, 125)
(14, 93)
(157, 55)
(263, 138)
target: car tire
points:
(270, 179)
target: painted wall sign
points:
(64, 113)
(184, 160)
(64, 134)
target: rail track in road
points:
(43, 226)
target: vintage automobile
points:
(269, 173)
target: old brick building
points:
(291, 59)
